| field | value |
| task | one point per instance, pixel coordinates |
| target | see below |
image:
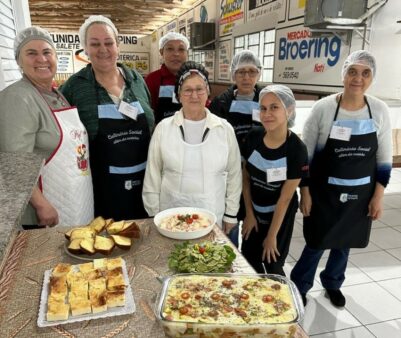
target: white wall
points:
(14, 16)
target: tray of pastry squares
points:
(73, 293)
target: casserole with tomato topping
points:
(224, 305)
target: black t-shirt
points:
(292, 154)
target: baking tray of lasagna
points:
(229, 305)
(74, 293)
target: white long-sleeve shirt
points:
(167, 132)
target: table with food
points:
(176, 275)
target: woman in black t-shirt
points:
(276, 160)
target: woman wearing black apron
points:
(173, 48)
(239, 105)
(275, 161)
(113, 104)
(348, 136)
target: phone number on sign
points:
(290, 75)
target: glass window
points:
(253, 39)
(262, 44)
(269, 36)
(267, 75)
(239, 42)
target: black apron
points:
(341, 186)
(120, 153)
(240, 116)
(166, 105)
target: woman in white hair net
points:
(114, 105)
(348, 136)
(36, 118)
(173, 48)
(239, 105)
(275, 162)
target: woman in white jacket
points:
(194, 159)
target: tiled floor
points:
(373, 281)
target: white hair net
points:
(95, 19)
(359, 57)
(286, 97)
(29, 34)
(245, 58)
(173, 36)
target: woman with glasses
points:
(348, 136)
(173, 48)
(275, 162)
(239, 106)
(193, 157)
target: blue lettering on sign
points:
(311, 48)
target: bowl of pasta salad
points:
(185, 222)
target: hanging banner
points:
(224, 60)
(72, 58)
(231, 13)
(301, 58)
(260, 8)
(209, 64)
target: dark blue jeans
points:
(333, 275)
(233, 235)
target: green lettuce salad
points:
(201, 257)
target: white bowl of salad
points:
(185, 222)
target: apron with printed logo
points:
(66, 179)
(119, 160)
(167, 103)
(341, 186)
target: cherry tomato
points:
(202, 249)
(185, 295)
(183, 310)
(195, 216)
(228, 308)
(189, 220)
(240, 312)
(276, 286)
(244, 296)
(215, 296)
(268, 298)
(213, 313)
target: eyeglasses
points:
(251, 73)
(189, 91)
(366, 73)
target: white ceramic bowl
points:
(185, 234)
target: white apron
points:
(208, 187)
(66, 179)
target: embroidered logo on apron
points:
(128, 185)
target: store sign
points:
(301, 58)
(231, 13)
(260, 8)
(72, 58)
